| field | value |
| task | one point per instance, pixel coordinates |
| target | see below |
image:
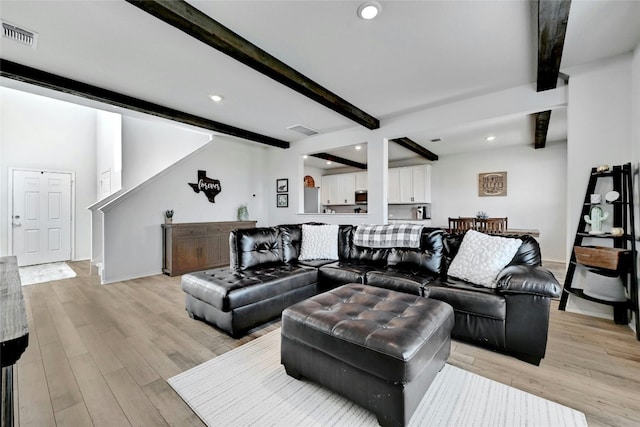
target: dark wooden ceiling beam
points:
(552, 27)
(410, 144)
(542, 127)
(48, 80)
(190, 20)
(332, 158)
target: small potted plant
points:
(168, 216)
(243, 213)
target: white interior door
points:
(41, 217)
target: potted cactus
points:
(168, 216)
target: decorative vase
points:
(168, 220)
(243, 213)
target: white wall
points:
(150, 145)
(133, 239)
(536, 190)
(108, 152)
(42, 133)
(600, 127)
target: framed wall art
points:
(282, 200)
(492, 184)
(282, 185)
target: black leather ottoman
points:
(236, 301)
(377, 347)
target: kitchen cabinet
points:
(421, 180)
(338, 189)
(393, 195)
(191, 247)
(411, 184)
(361, 181)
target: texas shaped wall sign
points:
(210, 187)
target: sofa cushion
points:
(372, 256)
(528, 253)
(427, 258)
(345, 242)
(399, 280)
(319, 242)
(258, 247)
(228, 290)
(291, 236)
(481, 257)
(341, 272)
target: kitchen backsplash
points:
(408, 212)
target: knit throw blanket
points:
(388, 236)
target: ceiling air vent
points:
(21, 35)
(303, 130)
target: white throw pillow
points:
(481, 257)
(319, 242)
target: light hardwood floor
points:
(100, 355)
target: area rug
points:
(248, 386)
(32, 274)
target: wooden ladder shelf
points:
(617, 256)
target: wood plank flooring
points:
(100, 356)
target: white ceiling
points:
(415, 54)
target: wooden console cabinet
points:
(197, 246)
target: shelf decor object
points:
(602, 256)
(595, 219)
(168, 216)
(612, 266)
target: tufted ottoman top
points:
(390, 334)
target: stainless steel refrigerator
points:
(311, 199)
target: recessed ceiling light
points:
(216, 98)
(369, 10)
(358, 147)
(305, 157)
(328, 162)
(490, 138)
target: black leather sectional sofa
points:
(266, 276)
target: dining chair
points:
(461, 224)
(492, 225)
